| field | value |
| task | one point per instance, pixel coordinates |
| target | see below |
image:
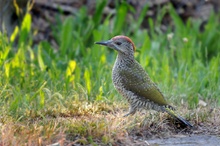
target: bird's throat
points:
(124, 60)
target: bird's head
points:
(122, 44)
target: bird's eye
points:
(118, 43)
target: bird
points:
(133, 82)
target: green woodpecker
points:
(133, 83)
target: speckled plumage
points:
(133, 83)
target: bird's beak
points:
(104, 43)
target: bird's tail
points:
(178, 117)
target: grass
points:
(67, 96)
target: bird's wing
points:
(135, 79)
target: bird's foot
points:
(126, 114)
(131, 112)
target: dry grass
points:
(103, 124)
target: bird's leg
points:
(131, 111)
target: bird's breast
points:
(116, 78)
(119, 75)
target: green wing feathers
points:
(178, 117)
(135, 79)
